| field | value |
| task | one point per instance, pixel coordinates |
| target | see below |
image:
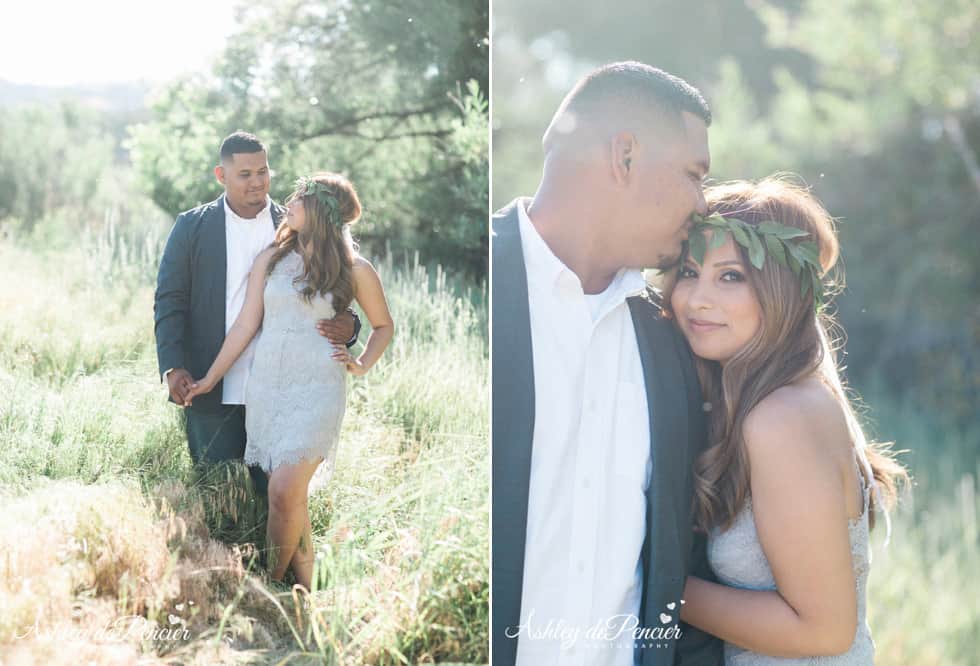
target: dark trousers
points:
(217, 436)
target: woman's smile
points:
(703, 326)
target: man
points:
(201, 289)
(597, 418)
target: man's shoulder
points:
(198, 213)
(506, 219)
(650, 301)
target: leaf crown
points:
(306, 186)
(786, 245)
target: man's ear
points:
(623, 146)
(219, 173)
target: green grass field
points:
(114, 549)
(924, 592)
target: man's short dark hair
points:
(641, 83)
(240, 142)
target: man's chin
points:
(667, 263)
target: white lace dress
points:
(296, 393)
(737, 559)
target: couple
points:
(240, 265)
(678, 477)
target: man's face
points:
(665, 188)
(246, 180)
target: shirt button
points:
(586, 484)
(580, 566)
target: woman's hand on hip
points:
(342, 355)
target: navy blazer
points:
(189, 304)
(678, 435)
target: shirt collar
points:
(232, 215)
(546, 269)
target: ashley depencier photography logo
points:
(120, 629)
(620, 629)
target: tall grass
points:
(924, 593)
(104, 518)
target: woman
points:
(295, 396)
(787, 487)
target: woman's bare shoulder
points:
(800, 418)
(361, 264)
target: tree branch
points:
(435, 134)
(376, 115)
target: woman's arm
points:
(370, 295)
(798, 501)
(242, 331)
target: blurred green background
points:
(392, 94)
(876, 105)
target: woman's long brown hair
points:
(792, 343)
(326, 248)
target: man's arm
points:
(171, 299)
(696, 647)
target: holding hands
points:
(201, 386)
(179, 383)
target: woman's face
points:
(714, 304)
(296, 214)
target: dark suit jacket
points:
(189, 304)
(678, 435)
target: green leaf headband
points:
(780, 241)
(324, 194)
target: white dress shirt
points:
(590, 466)
(244, 240)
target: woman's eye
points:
(686, 272)
(732, 276)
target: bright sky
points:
(68, 42)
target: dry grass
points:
(110, 535)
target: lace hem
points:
(270, 463)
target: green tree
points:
(888, 134)
(51, 158)
(381, 92)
